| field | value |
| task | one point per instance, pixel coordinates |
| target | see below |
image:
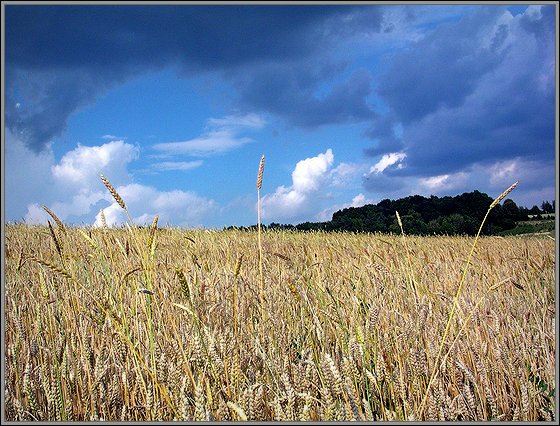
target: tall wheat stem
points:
(261, 277)
(409, 271)
(146, 266)
(456, 298)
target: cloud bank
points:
(280, 49)
(475, 91)
(73, 190)
(447, 98)
(477, 97)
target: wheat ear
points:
(153, 228)
(55, 218)
(259, 186)
(503, 195)
(113, 192)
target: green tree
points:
(546, 207)
(534, 210)
(413, 224)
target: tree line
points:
(458, 215)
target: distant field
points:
(529, 227)
(350, 326)
(544, 216)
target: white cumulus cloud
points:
(309, 173)
(308, 178)
(183, 208)
(76, 194)
(27, 176)
(360, 200)
(36, 215)
(502, 172)
(84, 164)
(112, 137)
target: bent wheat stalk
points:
(457, 294)
(113, 192)
(55, 218)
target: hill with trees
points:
(458, 215)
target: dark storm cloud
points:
(76, 52)
(383, 133)
(441, 70)
(517, 123)
(289, 90)
(470, 96)
(50, 36)
(38, 102)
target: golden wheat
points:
(350, 345)
(260, 173)
(55, 218)
(503, 195)
(113, 192)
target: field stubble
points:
(146, 324)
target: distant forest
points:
(459, 215)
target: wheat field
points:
(167, 324)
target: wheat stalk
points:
(409, 270)
(259, 186)
(234, 295)
(103, 220)
(153, 228)
(57, 240)
(237, 410)
(503, 195)
(51, 266)
(55, 218)
(113, 192)
(260, 173)
(184, 283)
(457, 294)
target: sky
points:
(350, 104)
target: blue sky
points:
(350, 104)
